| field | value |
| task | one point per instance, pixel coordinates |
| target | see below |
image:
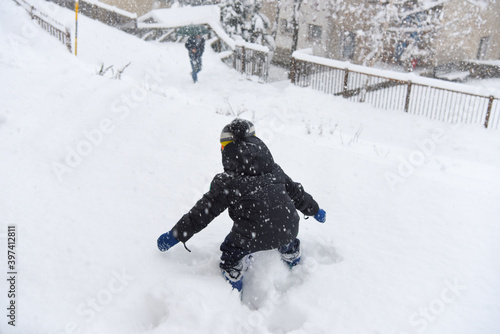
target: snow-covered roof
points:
(182, 16)
(453, 76)
(486, 62)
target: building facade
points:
(402, 32)
(408, 33)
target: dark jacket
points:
(197, 44)
(261, 198)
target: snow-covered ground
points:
(93, 169)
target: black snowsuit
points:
(261, 198)
(195, 43)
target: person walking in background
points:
(195, 46)
(262, 202)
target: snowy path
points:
(94, 169)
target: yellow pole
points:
(76, 26)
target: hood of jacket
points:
(247, 156)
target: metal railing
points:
(253, 61)
(419, 98)
(48, 24)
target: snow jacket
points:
(197, 44)
(262, 200)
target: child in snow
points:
(262, 201)
(195, 45)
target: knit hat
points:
(237, 129)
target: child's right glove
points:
(320, 216)
(166, 241)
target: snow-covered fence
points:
(48, 24)
(436, 99)
(252, 59)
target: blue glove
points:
(166, 241)
(320, 216)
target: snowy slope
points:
(94, 169)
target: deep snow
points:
(94, 169)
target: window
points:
(483, 48)
(315, 33)
(349, 45)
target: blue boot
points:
(234, 274)
(290, 254)
(236, 282)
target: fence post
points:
(235, 57)
(76, 26)
(266, 67)
(293, 69)
(407, 100)
(488, 112)
(243, 54)
(346, 80)
(68, 40)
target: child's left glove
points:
(320, 216)
(166, 241)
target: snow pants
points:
(196, 67)
(235, 260)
